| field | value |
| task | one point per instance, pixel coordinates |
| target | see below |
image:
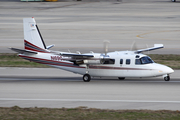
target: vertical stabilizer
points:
(32, 36)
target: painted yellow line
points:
(141, 35)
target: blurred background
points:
(83, 25)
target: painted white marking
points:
(87, 100)
(162, 81)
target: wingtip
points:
(158, 45)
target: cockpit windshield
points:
(144, 60)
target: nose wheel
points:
(121, 78)
(167, 78)
(86, 78)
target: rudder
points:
(32, 36)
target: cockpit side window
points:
(146, 60)
(138, 61)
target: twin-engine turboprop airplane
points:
(120, 64)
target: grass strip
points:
(84, 113)
(12, 60)
(170, 60)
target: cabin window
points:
(108, 61)
(121, 61)
(146, 60)
(128, 61)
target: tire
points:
(167, 78)
(121, 78)
(173, 0)
(86, 78)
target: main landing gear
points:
(86, 77)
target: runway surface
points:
(55, 88)
(83, 26)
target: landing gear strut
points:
(167, 78)
(86, 78)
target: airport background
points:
(83, 27)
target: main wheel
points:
(86, 78)
(173, 0)
(121, 78)
(167, 78)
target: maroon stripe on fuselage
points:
(50, 62)
(115, 68)
(30, 46)
(58, 63)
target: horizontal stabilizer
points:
(50, 46)
(23, 51)
(156, 46)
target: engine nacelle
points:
(92, 61)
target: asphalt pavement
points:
(55, 88)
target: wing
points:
(76, 55)
(73, 56)
(88, 58)
(156, 46)
(23, 51)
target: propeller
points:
(147, 47)
(134, 46)
(106, 42)
(104, 56)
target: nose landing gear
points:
(167, 78)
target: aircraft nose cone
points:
(167, 70)
(164, 69)
(170, 70)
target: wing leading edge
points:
(156, 46)
(76, 55)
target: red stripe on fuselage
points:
(28, 48)
(58, 63)
(115, 68)
(45, 61)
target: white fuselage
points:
(123, 64)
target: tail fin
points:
(32, 37)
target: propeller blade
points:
(134, 47)
(106, 42)
(147, 47)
